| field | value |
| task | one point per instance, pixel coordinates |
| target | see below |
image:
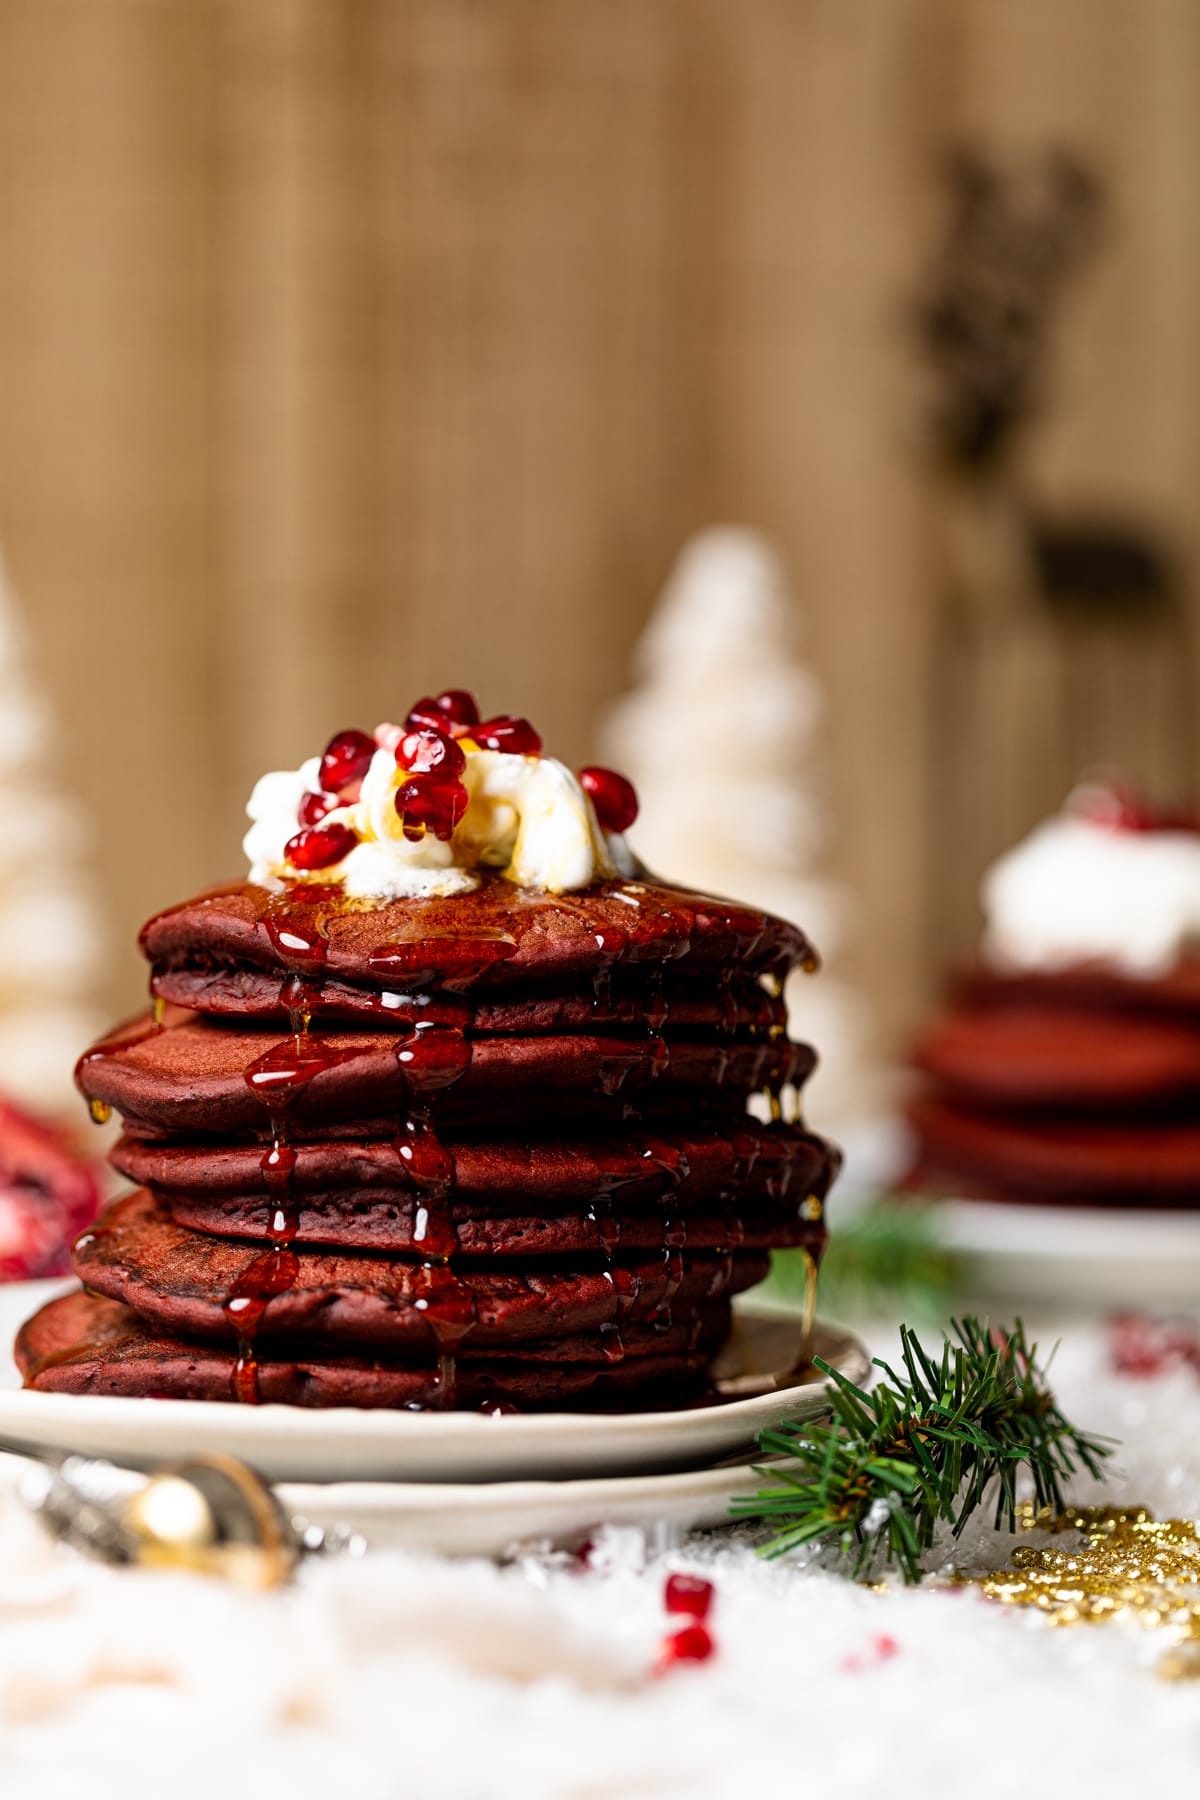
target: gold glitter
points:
(1129, 1565)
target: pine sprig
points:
(923, 1446)
(888, 1258)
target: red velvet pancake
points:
(1099, 1163)
(497, 937)
(195, 1076)
(752, 1187)
(667, 997)
(190, 1284)
(85, 1345)
(1063, 1058)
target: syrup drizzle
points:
(810, 1306)
(432, 1058)
(277, 1078)
(124, 1038)
(294, 921)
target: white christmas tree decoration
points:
(46, 917)
(717, 737)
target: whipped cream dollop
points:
(524, 816)
(1080, 889)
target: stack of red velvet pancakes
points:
(482, 1143)
(1067, 1066)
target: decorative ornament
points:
(209, 1515)
(1130, 1566)
(213, 1516)
(718, 737)
(45, 896)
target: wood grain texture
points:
(348, 347)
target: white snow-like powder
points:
(405, 1674)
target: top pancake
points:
(498, 937)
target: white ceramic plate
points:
(1074, 1257)
(288, 1443)
(499, 1518)
(1077, 1256)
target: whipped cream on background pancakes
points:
(421, 809)
(1101, 882)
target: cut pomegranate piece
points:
(47, 1196)
(346, 760)
(319, 847)
(430, 752)
(455, 711)
(614, 798)
(313, 808)
(689, 1594)
(515, 737)
(427, 803)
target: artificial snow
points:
(407, 1674)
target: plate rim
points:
(386, 1423)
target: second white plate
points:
(1076, 1256)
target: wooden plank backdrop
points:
(349, 347)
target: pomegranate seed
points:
(882, 1648)
(689, 1594)
(1117, 807)
(313, 808)
(346, 760)
(427, 804)
(455, 711)
(429, 752)
(614, 798)
(692, 1644)
(388, 736)
(318, 848)
(1145, 1347)
(515, 737)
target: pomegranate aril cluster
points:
(687, 1597)
(429, 751)
(433, 799)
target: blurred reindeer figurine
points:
(1060, 642)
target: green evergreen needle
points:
(920, 1446)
